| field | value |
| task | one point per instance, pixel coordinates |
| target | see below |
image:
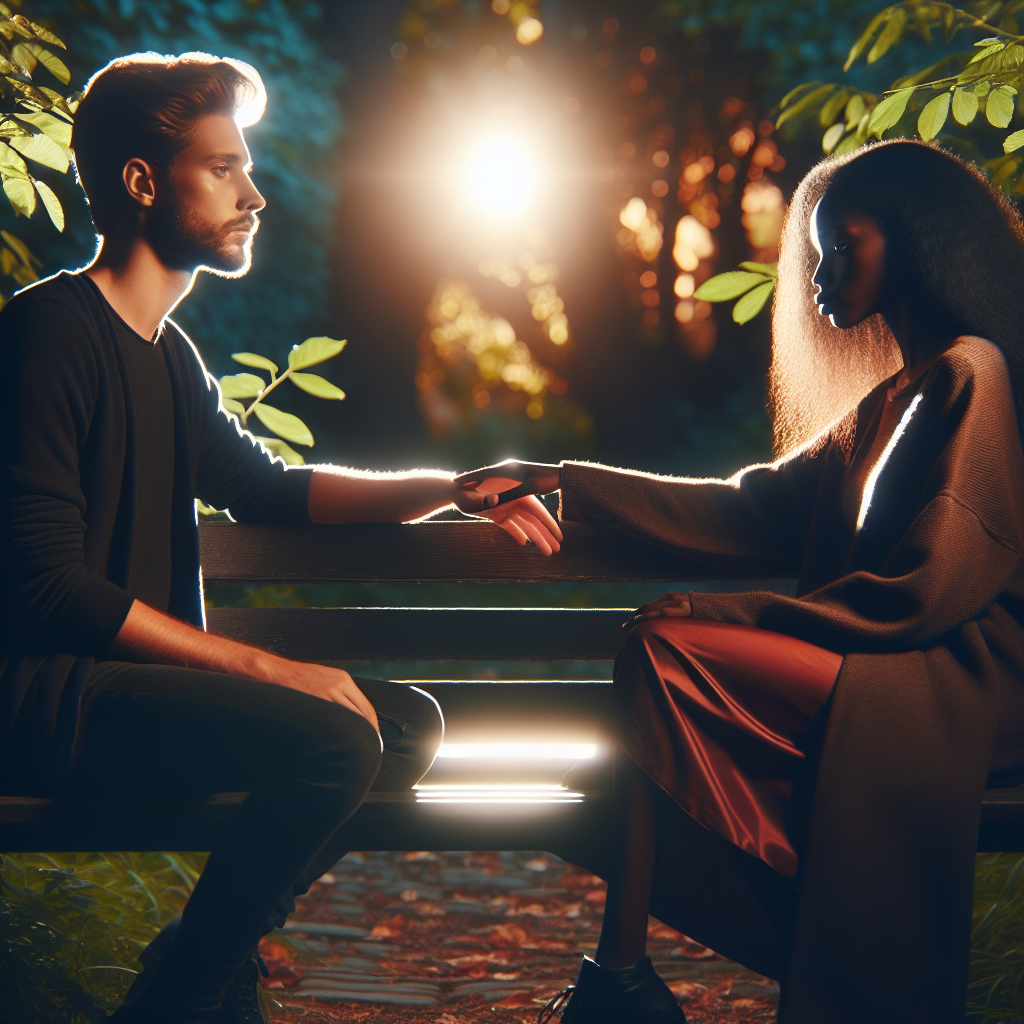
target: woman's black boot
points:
(635, 994)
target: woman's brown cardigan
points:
(926, 601)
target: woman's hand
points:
(511, 480)
(672, 605)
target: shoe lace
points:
(556, 1004)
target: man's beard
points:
(184, 241)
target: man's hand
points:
(511, 480)
(149, 636)
(333, 684)
(672, 605)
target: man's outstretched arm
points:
(151, 637)
(348, 496)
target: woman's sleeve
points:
(947, 569)
(235, 471)
(757, 521)
(964, 540)
(52, 602)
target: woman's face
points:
(850, 276)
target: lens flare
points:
(503, 176)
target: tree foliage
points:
(35, 125)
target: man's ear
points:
(140, 179)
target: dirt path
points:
(467, 938)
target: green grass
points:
(72, 925)
(997, 945)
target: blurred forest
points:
(565, 328)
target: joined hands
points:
(506, 494)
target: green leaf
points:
(290, 427)
(252, 359)
(51, 203)
(242, 385)
(800, 90)
(53, 127)
(888, 36)
(830, 139)
(46, 35)
(999, 107)
(933, 117)
(771, 269)
(11, 165)
(313, 351)
(282, 450)
(21, 194)
(986, 52)
(751, 304)
(43, 150)
(29, 54)
(805, 103)
(730, 285)
(965, 106)
(830, 111)
(1013, 142)
(206, 510)
(855, 109)
(866, 37)
(233, 407)
(21, 249)
(889, 111)
(314, 385)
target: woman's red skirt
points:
(718, 715)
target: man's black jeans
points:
(307, 764)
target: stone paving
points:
(467, 938)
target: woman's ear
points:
(140, 179)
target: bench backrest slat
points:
(469, 551)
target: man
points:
(108, 682)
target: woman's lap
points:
(719, 715)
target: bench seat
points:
(475, 710)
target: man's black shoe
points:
(245, 1001)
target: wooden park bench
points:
(475, 711)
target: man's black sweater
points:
(68, 495)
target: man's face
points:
(206, 216)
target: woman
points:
(804, 774)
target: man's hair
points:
(146, 106)
(958, 245)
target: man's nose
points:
(251, 200)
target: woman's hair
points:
(146, 106)
(958, 245)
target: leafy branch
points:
(250, 385)
(38, 129)
(752, 284)
(987, 79)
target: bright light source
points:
(483, 793)
(500, 751)
(503, 175)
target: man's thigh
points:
(152, 728)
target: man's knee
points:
(345, 751)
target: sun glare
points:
(503, 176)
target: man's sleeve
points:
(52, 601)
